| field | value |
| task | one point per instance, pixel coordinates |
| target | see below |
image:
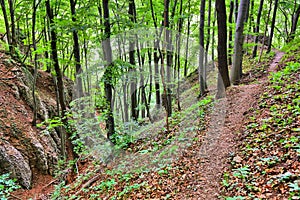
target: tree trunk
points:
(13, 26)
(133, 82)
(207, 40)
(177, 60)
(156, 59)
(230, 20)
(187, 40)
(169, 60)
(110, 123)
(34, 8)
(236, 72)
(60, 83)
(76, 50)
(295, 19)
(201, 53)
(272, 27)
(223, 80)
(266, 30)
(256, 30)
(8, 33)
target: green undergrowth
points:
(144, 165)
(267, 162)
(7, 185)
(253, 69)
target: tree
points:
(256, 30)
(156, 58)
(230, 20)
(8, 33)
(106, 46)
(34, 9)
(167, 89)
(223, 77)
(295, 18)
(60, 84)
(272, 26)
(236, 72)
(76, 51)
(13, 25)
(201, 53)
(133, 83)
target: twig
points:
(87, 184)
(15, 197)
(50, 183)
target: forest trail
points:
(226, 121)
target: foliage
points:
(7, 185)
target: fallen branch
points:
(87, 184)
(15, 197)
(53, 181)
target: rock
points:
(24, 148)
(12, 161)
(237, 159)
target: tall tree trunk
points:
(223, 80)
(236, 10)
(295, 18)
(185, 71)
(201, 53)
(110, 122)
(133, 82)
(266, 30)
(8, 33)
(60, 83)
(272, 27)
(256, 30)
(177, 60)
(13, 25)
(236, 72)
(230, 20)
(34, 8)
(207, 40)
(156, 59)
(169, 60)
(76, 51)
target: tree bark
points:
(60, 83)
(156, 60)
(76, 51)
(169, 59)
(230, 20)
(8, 33)
(133, 82)
(185, 71)
(236, 72)
(223, 80)
(201, 50)
(13, 25)
(256, 30)
(110, 123)
(295, 18)
(272, 27)
(34, 8)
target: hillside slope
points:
(26, 151)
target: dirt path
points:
(226, 121)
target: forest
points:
(146, 99)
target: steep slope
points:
(266, 164)
(26, 151)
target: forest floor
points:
(198, 171)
